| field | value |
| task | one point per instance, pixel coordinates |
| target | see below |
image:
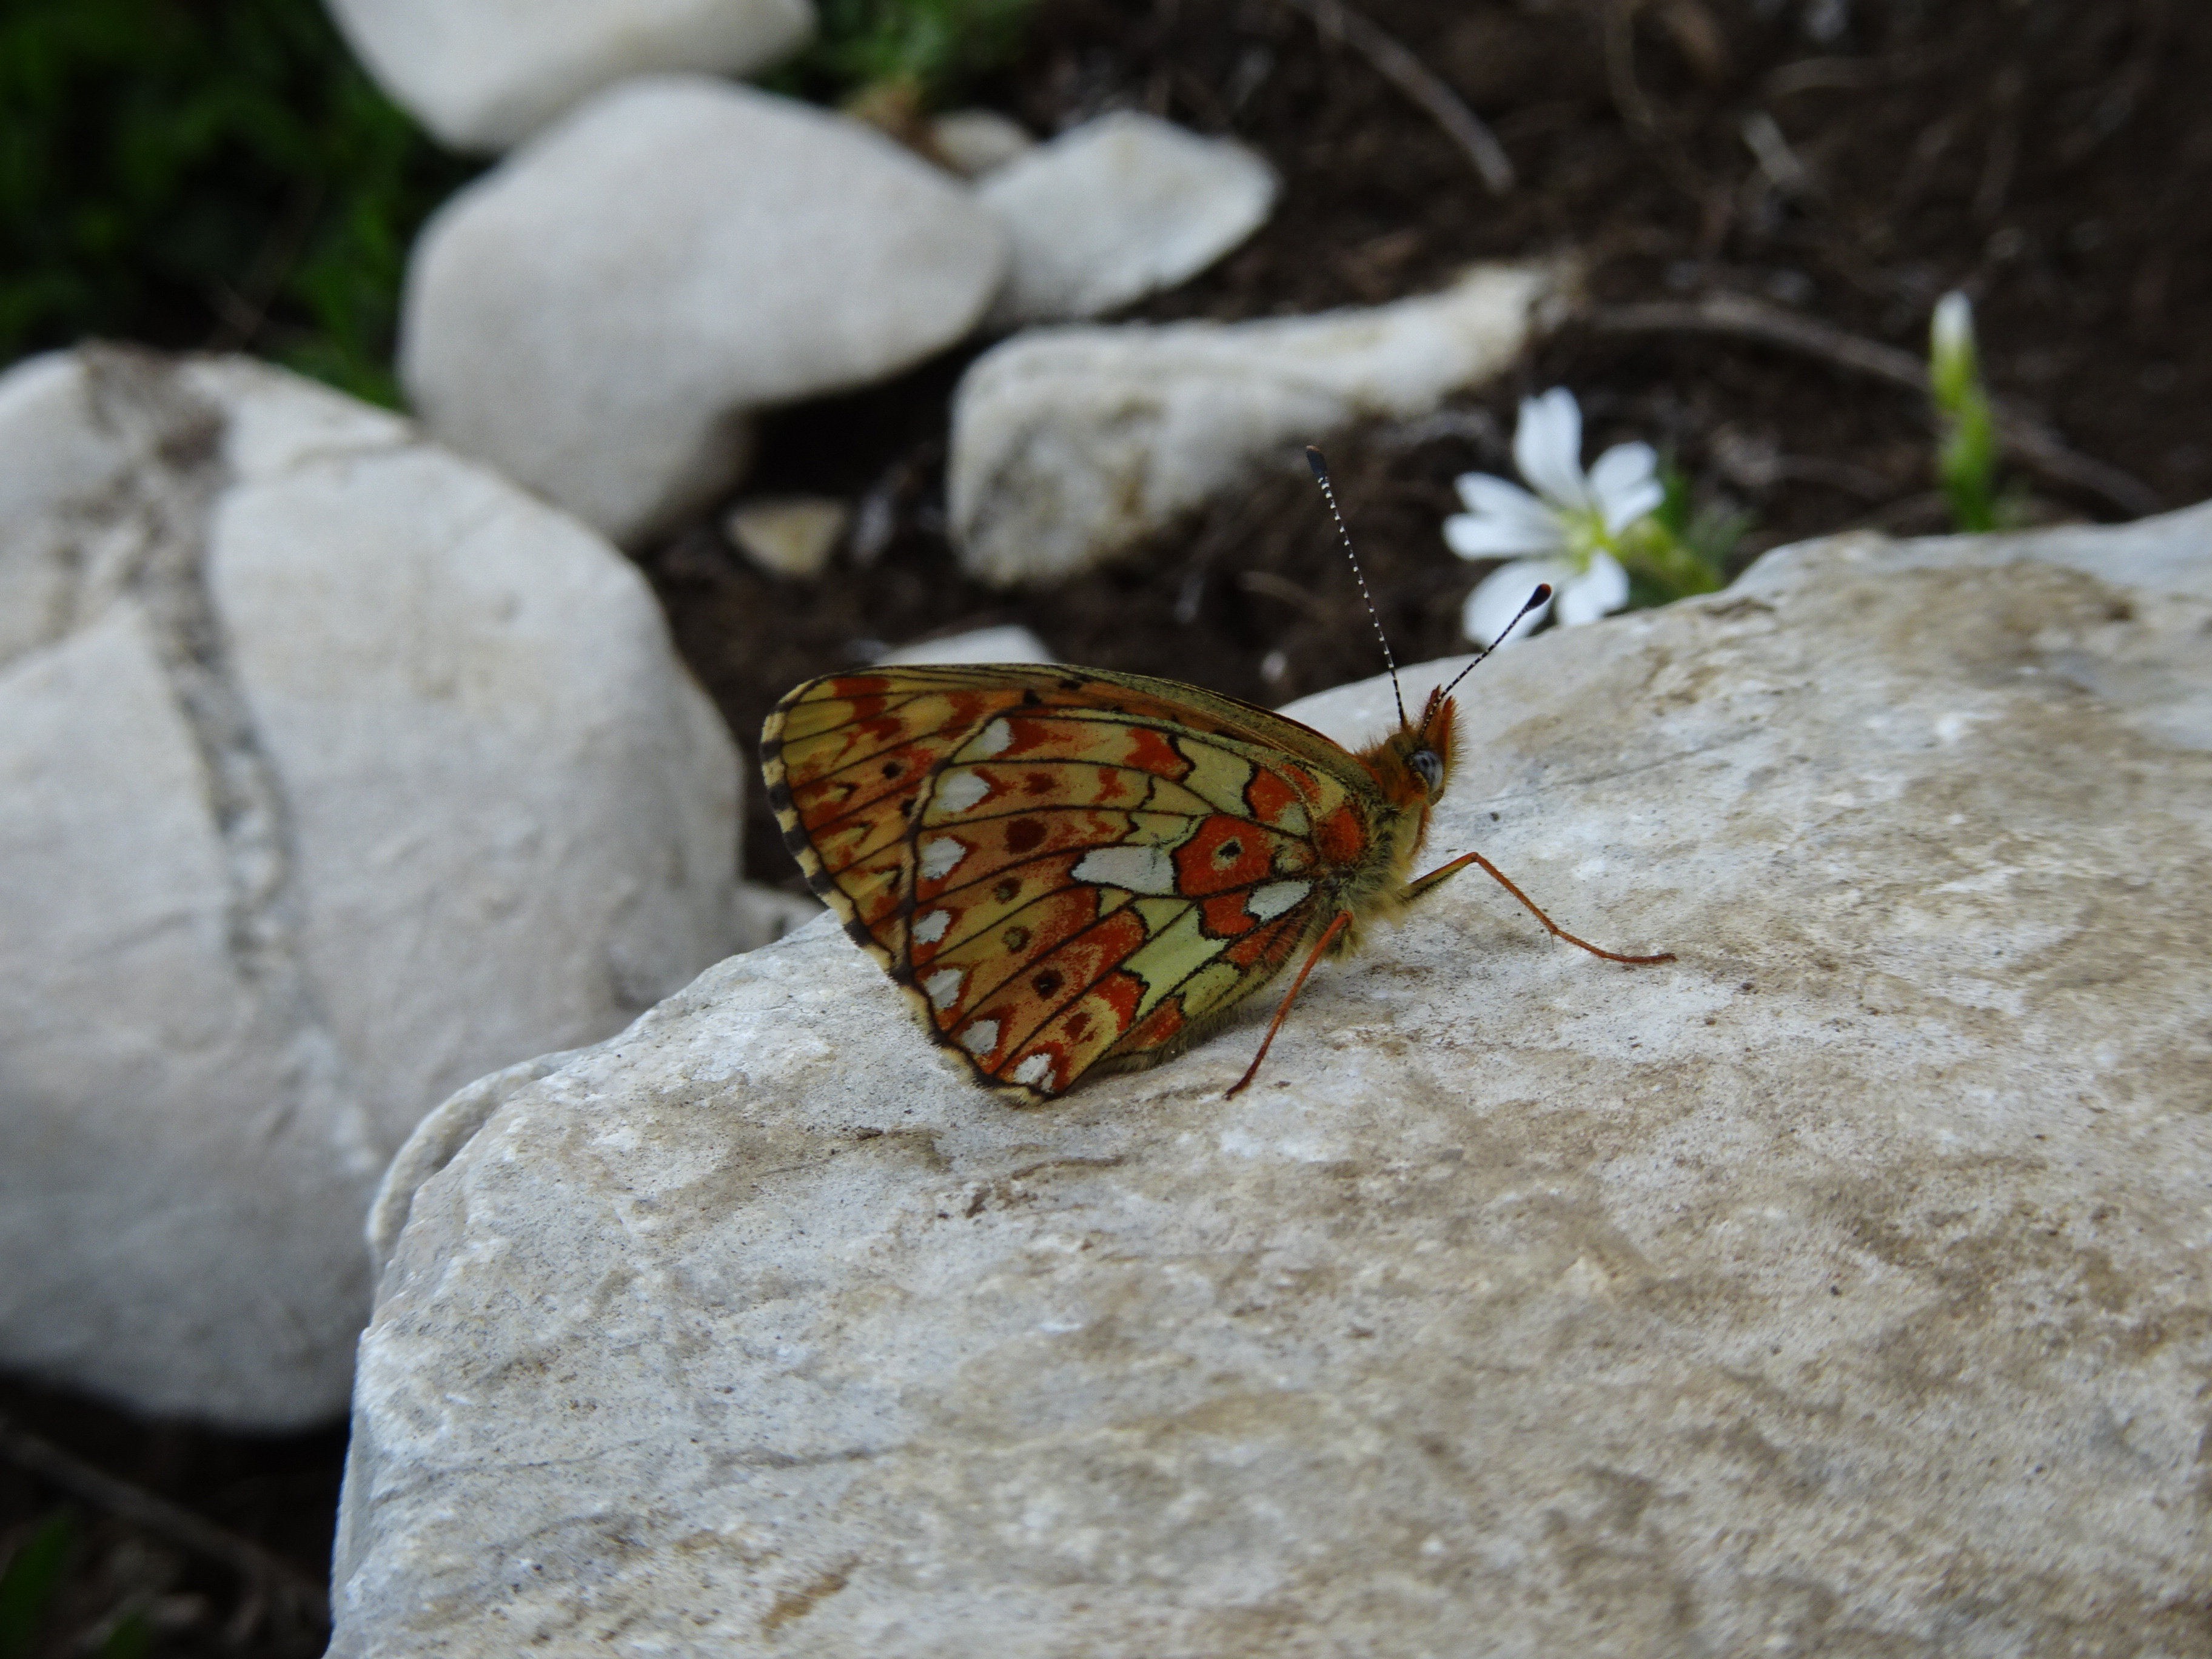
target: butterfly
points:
(1075, 871)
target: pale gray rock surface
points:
(483, 75)
(1844, 1286)
(766, 913)
(1009, 642)
(597, 315)
(333, 771)
(795, 536)
(972, 142)
(1070, 444)
(1118, 208)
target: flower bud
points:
(1953, 367)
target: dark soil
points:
(117, 1586)
(2051, 158)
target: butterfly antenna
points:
(1321, 476)
(1542, 595)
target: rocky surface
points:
(1842, 1287)
(793, 536)
(1070, 444)
(333, 771)
(1116, 209)
(972, 142)
(1009, 642)
(597, 314)
(483, 75)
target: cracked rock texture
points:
(333, 771)
(1843, 1287)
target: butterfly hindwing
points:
(1067, 869)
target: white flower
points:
(1566, 534)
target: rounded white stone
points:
(597, 314)
(1116, 209)
(333, 771)
(484, 75)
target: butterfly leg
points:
(1437, 876)
(1321, 947)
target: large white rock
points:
(1841, 1287)
(597, 315)
(333, 771)
(485, 74)
(1116, 209)
(1070, 444)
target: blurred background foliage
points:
(206, 174)
(932, 51)
(220, 175)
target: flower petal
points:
(1504, 592)
(1602, 587)
(1548, 447)
(1471, 537)
(1479, 492)
(1625, 482)
(1501, 518)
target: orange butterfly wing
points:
(1068, 869)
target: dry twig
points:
(268, 1576)
(1411, 76)
(1736, 316)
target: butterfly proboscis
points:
(1077, 870)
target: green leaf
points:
(190, 174)
(1683, 547)
(31, 1579)
(935, 47)
(131, 1638)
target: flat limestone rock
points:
(599, 315)
(334, 770)
(1071, 443)
(1844, 1286)
(485, 74)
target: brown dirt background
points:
(2053, 160)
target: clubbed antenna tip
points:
(1314, 460)
(1542, 595)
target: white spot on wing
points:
(981, 1037)
(931, 928)
(1035, 1072)
(992, 740)
(941, 857)
(943, 987)
(959, 791)
(1140, 869)
(1269, 902)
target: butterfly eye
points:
(1430, 766)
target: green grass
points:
(220, 174)
(935, 49)
(205, 172)
(31, 1579)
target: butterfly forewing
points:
(1066, 868)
